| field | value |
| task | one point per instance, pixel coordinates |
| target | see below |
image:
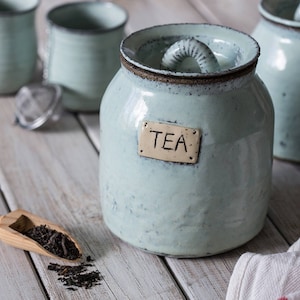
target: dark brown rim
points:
(192, 80)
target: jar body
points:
(180, 209)
(279, 69)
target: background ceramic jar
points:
(278, 35)
(213, 196)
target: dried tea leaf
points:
(53, 241)
(77, 276)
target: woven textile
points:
(266, 277)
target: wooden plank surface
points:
(18, 278)
(242, 15)
(148, 13)
(284, 205)
(198, 276)
(54, 173)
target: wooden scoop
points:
(15, 223)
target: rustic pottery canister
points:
(186, 135)
(278, 34)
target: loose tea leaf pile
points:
(54, 241)
(59, 244)
(77, 276)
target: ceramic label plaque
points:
(169, 142)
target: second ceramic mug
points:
(83, 51)
(18, 47)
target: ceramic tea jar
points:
(186, 135)
(278, 34)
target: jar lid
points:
(38, 104)
(189, 53)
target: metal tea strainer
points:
(38, 104)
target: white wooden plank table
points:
(54, 173)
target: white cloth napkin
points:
(266, 277)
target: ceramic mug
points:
(82, 53)
(278, 34)
(18, 47)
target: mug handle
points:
(190, 47)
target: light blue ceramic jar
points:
(278, 34)
(186, 143)
(18, 46)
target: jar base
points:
(187, 256)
